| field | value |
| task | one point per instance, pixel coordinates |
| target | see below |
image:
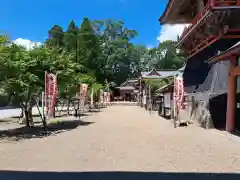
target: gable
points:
(130, 82)
(167, 73)
(159, 74)
(154, 73)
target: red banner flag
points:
(178, 92)
(51, 92)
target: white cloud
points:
(28, 44)
(150, 46)
(170, 32)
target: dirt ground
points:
(123, 139)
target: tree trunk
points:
(44, 123)
(30, 116)
(22, 113)
(68, 105)
(26, 117)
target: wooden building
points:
(152, 74)
(166, 98)
(213, 28)
(167, 93)
(232, 111)
(128, 90)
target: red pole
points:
(231, 97)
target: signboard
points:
(105, 95)
(101, 96)
(92, 97)
(167, 100)
(83, 90)
(108, 97)
(144, 100)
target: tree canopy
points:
(99, 53)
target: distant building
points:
(129, 89)
(135, 87)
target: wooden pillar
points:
(231, 97)
(213, 2)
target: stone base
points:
(197, 112)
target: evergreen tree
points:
(55, 36)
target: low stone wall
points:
(197, 112)
(126, 103)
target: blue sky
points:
(31, 19)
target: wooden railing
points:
(209, 6)
(196, 19)
(230, 34)
(203, 43)
(227, 3)
(207, 42)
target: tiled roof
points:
(235, 47)
(162, 74)
(182, 69)
(166, 11)
(145, 73)
(126, 88)
(166, 73)
(130, 81)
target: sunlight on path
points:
(125, 138)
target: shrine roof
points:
(165, 88)
(158, 74)
(173, 12)
(126, 88)
(234, 50)
(130, 82)
(166, 11)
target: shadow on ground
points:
(38, 131)
(4, 120)
(23, 175)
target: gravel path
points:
(124, 138)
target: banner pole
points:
(174, 96)
(45, 94)
(43, 104)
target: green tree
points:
(99, 53)
(22, 77)
(166, 56)
(55, 36)
(119, 57)
(88, 46)
(70, 37)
